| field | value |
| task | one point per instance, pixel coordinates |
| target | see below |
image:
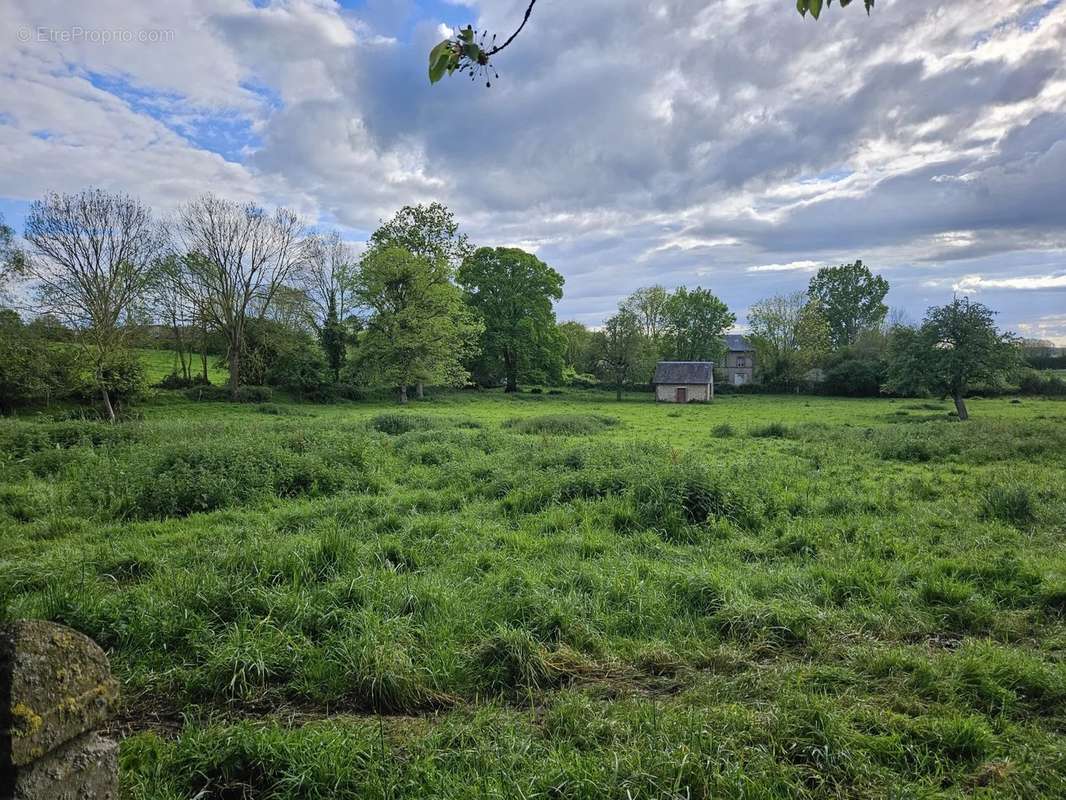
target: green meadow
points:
(556, 595)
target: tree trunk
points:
(960, 406)
(618, 388)
(203, 357)
(403, 395)
(108, 408)
(419, 391)
(234, 370)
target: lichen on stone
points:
(26, 721)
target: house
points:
(684, 381)
(739, 368)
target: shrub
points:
(563, 424)
(1035, 383)
(254, 394)
(395, 423)
(856, 376)
(176, 381)
(723, 431)
(32, 370)
(221, 394)
(582, 380)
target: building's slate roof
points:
(736, 343)
(691, 372)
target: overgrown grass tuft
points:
(563, 424)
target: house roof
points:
(735, 343)
(692, 372)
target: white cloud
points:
(976, 283)
(792, 266)
(934, 148)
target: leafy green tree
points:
(956, 347)
(578, 340)
(852, 299)
(470, 54)
(623, 349)
(12, 259)
(695, 324)
(334, 340)
(790, 336)
(419, 329)
(430, 232)
(512, 292)
(649, 304)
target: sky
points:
(729, 144)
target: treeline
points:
(284, 307)
(298, 310)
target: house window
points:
(741, 361)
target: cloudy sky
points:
(725, 143)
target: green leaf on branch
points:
(441, 60)
(802, 6)
(815, 7)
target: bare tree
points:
(173, 308)
(329, 277)
(239, 257)
(94, 261)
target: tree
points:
(695, 323)
(12, 259)
(329, 277)
(512, 291)
(238, 256)
(852, 299)
(790, 335)
(469, 54)
(429, 232)
(622, 348)
(649, 304)
(577, 346)
(956, 347)
(95, 259)
(334, 341)
(419, 329)
(171, 305)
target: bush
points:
(563, 424)
(210, 393)
(175, 381)
(856, 376)
(582, 380)
(32, 370)
(1035, 383)
(395, 423)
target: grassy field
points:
(160, 363)
(561, 596)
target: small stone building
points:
(739, 368)
(684, 381)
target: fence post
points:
(56, 690)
